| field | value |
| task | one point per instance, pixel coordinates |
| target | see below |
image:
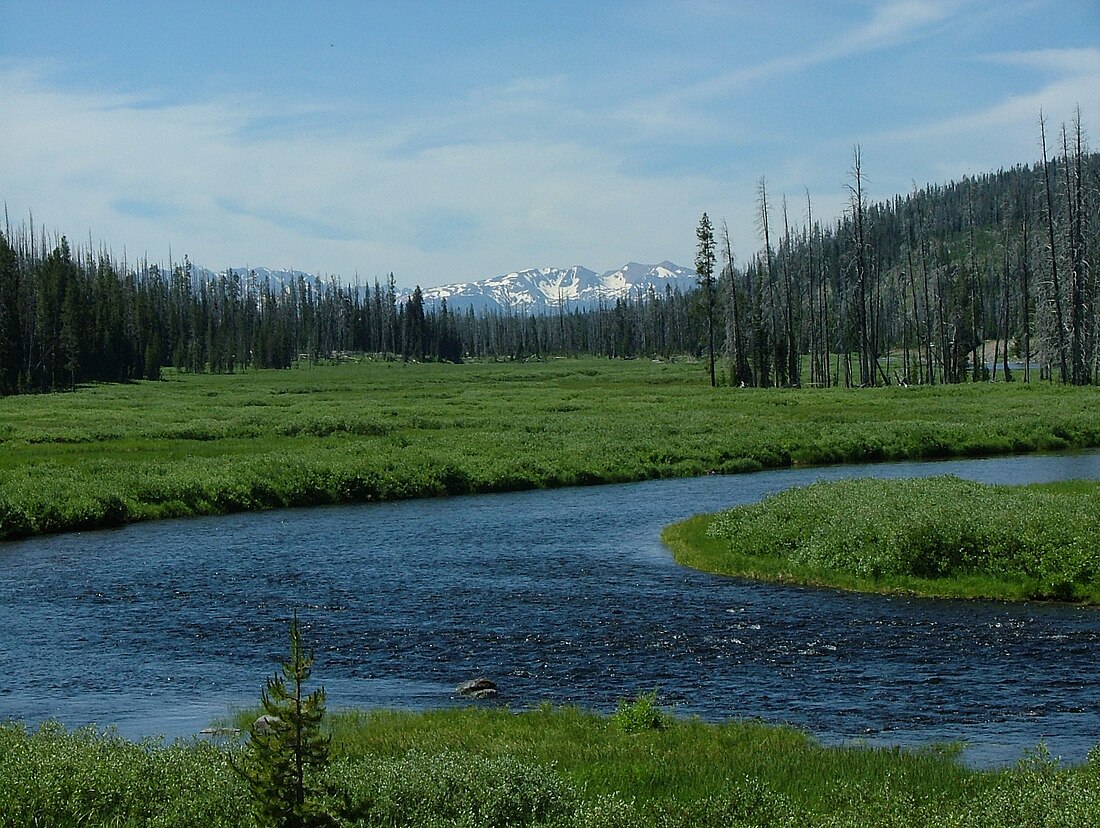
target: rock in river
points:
(265, 724)
(479, 688)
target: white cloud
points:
(889, 24)
(204, 179)
(997, 132)
(1077, 84)
(1074, 62)
(896, 21)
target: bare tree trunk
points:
(826, 341)
(737, 351)
(977, 336)
(866, 369)
(1025, 282)
(811, 292)
(778, 364)
(916, 319)
(1059, 320)
(1078, 260)
(928, 323)
(878, 346)
(794, 362)
(1005, 303)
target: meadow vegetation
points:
(937, 536)
(194, 444)
(542, 767)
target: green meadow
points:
(196, 444)
(550, 767)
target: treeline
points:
(74, 315)
(947, 284)
(652, 324)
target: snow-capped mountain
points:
(539, 290)
(542, 290)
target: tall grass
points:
(937, 536)
(555, 768)
(209, 444)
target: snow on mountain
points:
(537, 290)
(543, 290)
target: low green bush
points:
(640, 715)
(52, 777)
(447, 788)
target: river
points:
(564, 596)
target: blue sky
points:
(451, 141)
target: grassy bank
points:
(939, 536)
(545, 767)
(210, 444)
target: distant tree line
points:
(944, 285)
(74, 316)
(70, 315)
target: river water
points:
(564, 596)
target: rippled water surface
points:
(564, 595)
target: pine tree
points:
(704, 267)
(285, 748)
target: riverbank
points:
(213, 444)
(937, 537)
(545, 767)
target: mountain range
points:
(541, 290)
(537, 290)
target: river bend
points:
(564, 596)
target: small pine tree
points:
(285, 747)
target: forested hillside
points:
(946, 284)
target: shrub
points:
(640, 715)
(446, 789)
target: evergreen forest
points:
(981, 279)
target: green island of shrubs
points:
(938, 536)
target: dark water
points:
(565, 596)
